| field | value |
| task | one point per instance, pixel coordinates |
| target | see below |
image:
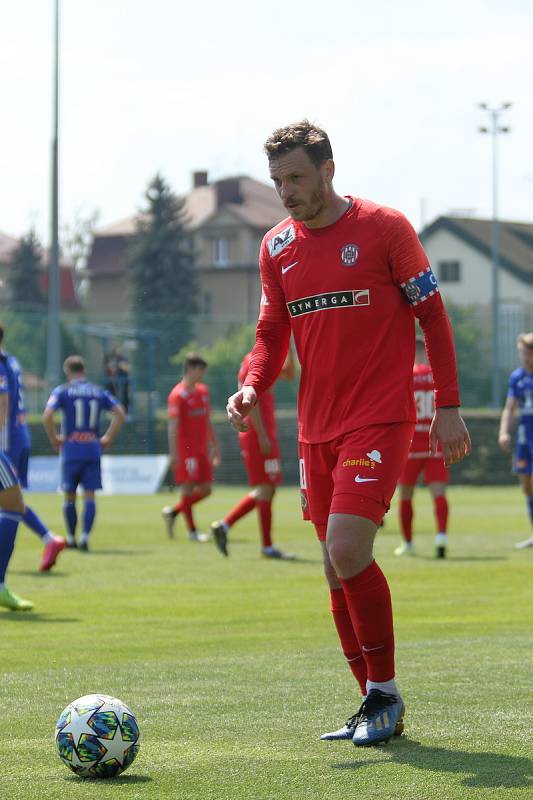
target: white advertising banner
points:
(120, 474)
(133, 474)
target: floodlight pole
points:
(494, 130)
(54, 339)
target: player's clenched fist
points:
(239, 405)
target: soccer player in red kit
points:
(421, 460)
(261, 456)
(347, 277)
(192, 443)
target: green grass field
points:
(233, 668)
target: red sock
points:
(187, 501)
(242, 508)
(441, 513)
(348, 639)
(406, 519)
(264, 509)
(369, 603)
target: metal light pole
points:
(494, 129)
(53, 366)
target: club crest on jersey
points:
(349, 254)
(280, 241)
(420, 287)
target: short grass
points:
(233, 668)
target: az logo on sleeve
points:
(280, 241)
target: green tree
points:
(161, 262)
(25, 272)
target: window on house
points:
(449, 271)
(221, 245)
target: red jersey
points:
(266, 403)
(192, 409)
(349, 292)
(424, 391)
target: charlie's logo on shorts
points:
(280, 241)
(325, 302)
(349, 254)
(359, 462)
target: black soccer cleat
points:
(220, 537)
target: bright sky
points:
(152, 85)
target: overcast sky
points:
(150, 85)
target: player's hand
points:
(239, 405)
(57, 442)
(504, 441)
(265, 445)
(448, 428)
(104, 442)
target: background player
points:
(192, 443)
(16, 443)
(261, 456)
(420, 459)
(81, 404)
(11, 511)
(347, 277)
(520, 396)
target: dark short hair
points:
(74, 364)
(194, 360)
(305, 134)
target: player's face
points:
(526, 356)
(195, 374)
(304, 189)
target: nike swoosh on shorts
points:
(358, 479)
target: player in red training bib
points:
(347, 277)
(261, 456)
(192, 443)
(421, 461)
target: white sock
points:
(84, 538)
(441, 539)
(2, 586)
(48, 537)
(389, 687)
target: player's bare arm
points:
(239, 406)
(172, 434)
(449, 429)
(214, 446)
(118, 415)
(288, 370)
(506, 421)
(4, 406)
(50, 428)
(256, 420)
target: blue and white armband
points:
(420, 287)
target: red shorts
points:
(260, 468)
(435, 470)
(355, 474)
(194, 469)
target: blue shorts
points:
(523, 455)
(19, 455)
(80, 473)
(8, 474)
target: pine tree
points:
(25, 272)
(161, 262)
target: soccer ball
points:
(97, 736)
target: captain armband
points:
(420, 287)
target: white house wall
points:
(475, 285)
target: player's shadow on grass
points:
(33, 616)
(115, 552)
(486, 770)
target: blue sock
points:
(71, 516)
(530, 506)
(34, 522)
(89, 513)
(9, 522)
